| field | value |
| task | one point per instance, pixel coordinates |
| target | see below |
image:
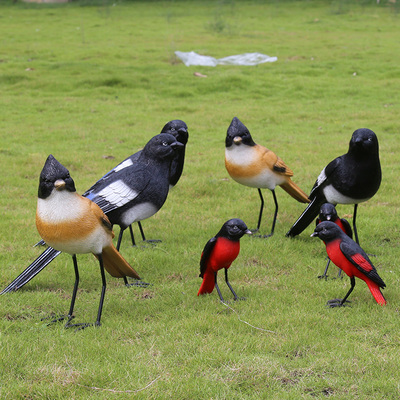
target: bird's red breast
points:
(223, 254)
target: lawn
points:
(91, 82)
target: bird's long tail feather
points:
(376, 292)
(208, 284)
(116, 265)
(308, 215)
(291, 188)
(30, 272)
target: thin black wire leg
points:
(132, 237)
(216, 287)
(341, 302)
(354, 223)
(235, 297)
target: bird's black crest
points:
(53, 170)
(238, 129)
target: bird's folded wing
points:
(114, 195)
(205, 255)
(126, 185)
(112, 174)
(105, 222)
(347, 227)
(361, 261)
(324, 175)
(273, 162)
(282, 168)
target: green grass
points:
(91, 82)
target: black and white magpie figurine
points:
(137, 189)
(351, 178)
(179, 130)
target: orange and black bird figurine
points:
(219, 252)
(253, 165)
(328, 213)
(351, 258)
(74, 224)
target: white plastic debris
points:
(192, 58)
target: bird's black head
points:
(364, 143)
(161, 147)
(178, 129)
(237, 134)
(234, 229)
(54, 176)
(327, 231)
(328, 212)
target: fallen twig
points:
(245, 322)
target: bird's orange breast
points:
(245, 161)
(66, 230)
(75, 221)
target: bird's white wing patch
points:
(117, 193)
(321, 177)
(124, 164)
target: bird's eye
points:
(164, 143)
(172, 129)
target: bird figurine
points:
(137, 191)
(179, 130)
(73, 224)
(219, 252)
(134, 191)
(351, 258)
(253, 165)
(328, 213)
(351, 178)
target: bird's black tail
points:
(39, 264)
(308, 215)
(40, 243)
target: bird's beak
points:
(177, 145)
(59, 184)
(314, 234)
(328, 217)
(237, 140)
(248, 232)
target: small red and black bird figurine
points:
(256, 166)
(74, 224)
(351, 258)
(220, 252)
(328, 212)
(352, 178)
